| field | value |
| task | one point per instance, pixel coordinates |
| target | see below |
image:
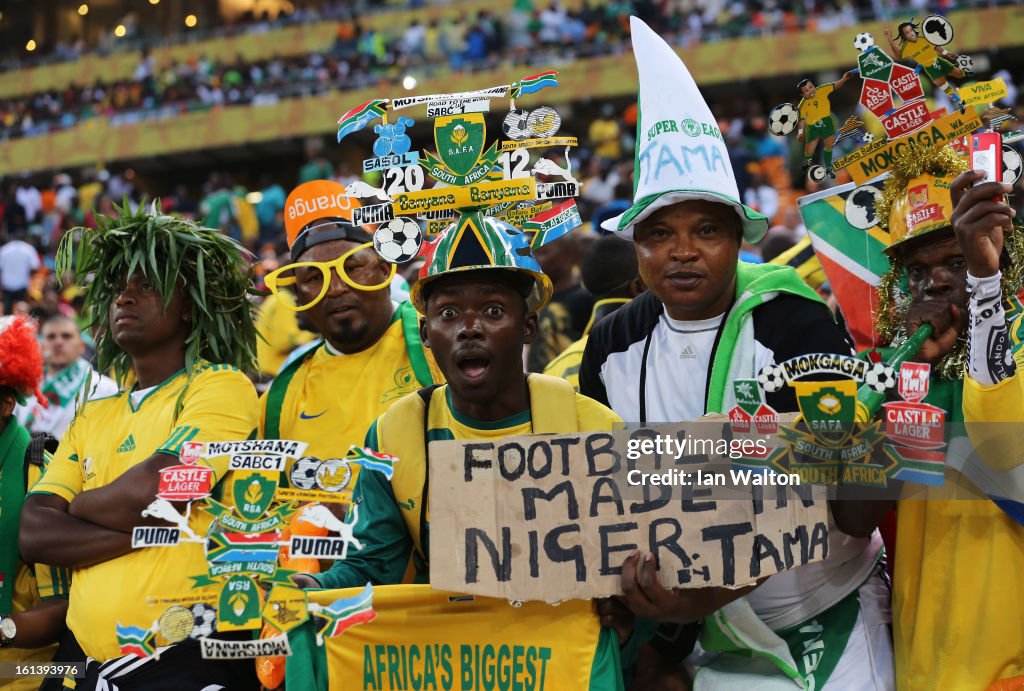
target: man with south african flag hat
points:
(959, 552)
(169, 302)
(673, 354)
(33, 597)
(478, 293)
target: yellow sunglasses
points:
(289, 276)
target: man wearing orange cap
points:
(369, 354)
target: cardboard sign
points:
(906, 119)
(906, 83)
(876, 96)
(479, 194)
(871, 161)
(554, 516)
(983, 92)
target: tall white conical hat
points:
(680, 153)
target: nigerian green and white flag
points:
(680, 153)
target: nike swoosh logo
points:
(310, 417)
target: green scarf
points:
(61, 388)
(14, 441)
(756, 284)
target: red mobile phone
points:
(986, 150)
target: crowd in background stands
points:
(533, 33)
(37, 215)
(689, 20)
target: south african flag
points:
(372, 460)
(534, 83)
(135, 640)
(345, 613)
(360, 116)
(239, 547)
(852, 256)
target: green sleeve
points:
(381, 530)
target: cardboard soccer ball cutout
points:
(398, 240)
(783, 119)
(863, 41)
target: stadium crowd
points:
(546, 23)
(529, 34)
(117, 361)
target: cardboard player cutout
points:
(892, 92)
(814, 122)
(923, 44)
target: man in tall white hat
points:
(672, 354)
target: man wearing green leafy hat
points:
(479, 292)
(169, 303)
(674, 352)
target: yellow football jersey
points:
(818, 108)
(567, 365)
(109, 436)
(920, 51)
(32, 585)
(957, 599)
(279, 331)
(26, 596)
(330, 399)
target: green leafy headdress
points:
(208, 266)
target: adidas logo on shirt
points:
(688, 353)
(127, 446)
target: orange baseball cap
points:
(319, 200)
